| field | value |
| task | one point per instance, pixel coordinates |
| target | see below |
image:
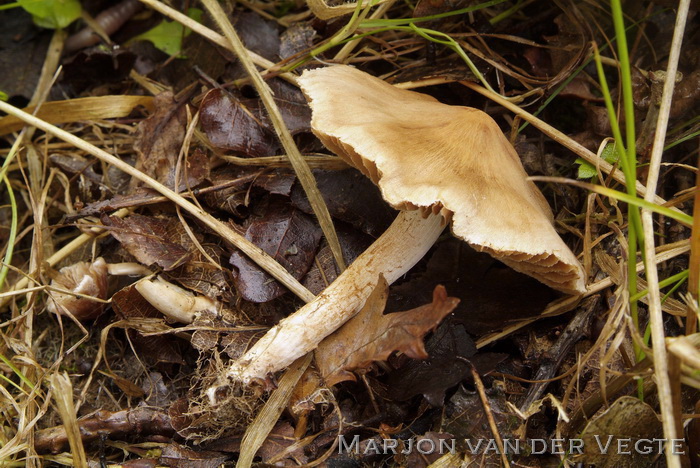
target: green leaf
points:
(168, 35)
(52, 14)
(586, 170)
(4, 96)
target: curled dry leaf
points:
(236, 125)
(152, 240)
(371, 336)
(160, 138)
(611, 441)
(86, 281)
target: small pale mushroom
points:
(437, 163)
(174, 302)
(75, 289)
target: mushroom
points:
(436, 163)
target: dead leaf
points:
(236, 124)
(324, 269)
(290, 236)
(152, 240)
(258, 34)
(350, 197)
(613, 427)
(160, 138)
(371, 336)
(275, 450)
(240, 184)
(180, 456)
(202, 277)
(297, 38)
(292, 104)
(465, 419)
(451, 350)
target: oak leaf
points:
(371, 336)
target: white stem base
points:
(402, 245)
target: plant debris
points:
(138, 328)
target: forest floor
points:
(167, 199)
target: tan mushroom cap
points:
(449, 159)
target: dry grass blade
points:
(301, 168)
(253, 251)
(63, 395)
(691, 322)
(89, 108)
(325, 12)
(669, 415)
(259, 429)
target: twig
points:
(489, 416)
(574, 331)
(668, 415)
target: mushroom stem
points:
(173, 301)
(394, 253)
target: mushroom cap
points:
(440, 158)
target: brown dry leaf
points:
(350, 197)
(202, 277)
(609, 440)
(324, 269)
(152, 240)
(297, 38)
(160, 138)
(236, 124)
(290, 236)
(177, 455)
(371, 336)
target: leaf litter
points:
(375, 378)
